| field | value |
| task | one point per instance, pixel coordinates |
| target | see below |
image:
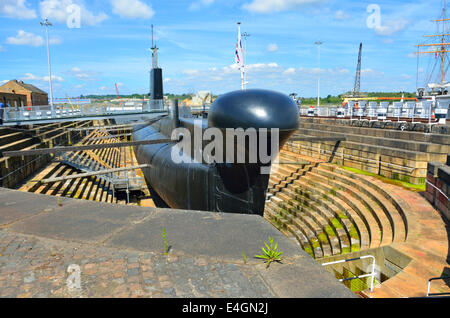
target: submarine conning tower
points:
(227, 185)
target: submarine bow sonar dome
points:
(254, 108)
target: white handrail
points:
(429, 283)
(372, 274)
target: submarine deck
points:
(120, 252)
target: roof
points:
(28, 87)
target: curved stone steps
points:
(366, 205)
(337, 227)
(272, 214)
(343, 214)
(377, 186)
(336, 236)
(395, 216)
(365, 228)
(299, 224)
(300, 212)
(283, 177)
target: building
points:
(34, 96)
(13, 100)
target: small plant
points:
(271, 253)
(59, 201)
(244, 257)
(166, 245)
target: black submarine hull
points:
(219, 187)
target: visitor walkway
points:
(15, 116)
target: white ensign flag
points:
(239, 52)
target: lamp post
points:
(318, 43)
(47, 23)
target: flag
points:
(239, 52)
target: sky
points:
(99, 43)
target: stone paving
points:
(33, 267)
(119, 253)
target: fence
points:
(13, 114)
(413, 110)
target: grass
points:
(353, 232)
(270, 253)
(336, 223)
(166, 245)
(404, 184)
(308, 249)
(329, 230)
(323, 238)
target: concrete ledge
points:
(224, 237)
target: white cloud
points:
(134, 9)
(2, 49)
(391, 27)
(190, 72)
(200, 4)
(81, 74)
(16, 9)
(56, 10)
(341, 15)
(4, 82)
(54, 78)
(289, 71)
(26, 38)
(270, 6)
(31, 77)
(103, 88)
(272, 47)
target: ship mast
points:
(441, 48)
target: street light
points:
(47, 23)
(318, 43)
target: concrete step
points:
(364, 221)
(374, 132)
(364, 203)
(290, 231)
(318, 224)
(338, 236)
(391, 208)
(297, 225)
(410, 145)
(356, 226)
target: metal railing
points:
(372, 274)
(413, 110)
(12, 114)
(429, 286)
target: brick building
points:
(34, 96)
(13, 100)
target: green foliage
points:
(337, 100)
(270, 253)
(166, 245)
(244, 257)
(394, 180)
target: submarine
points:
(223, 183)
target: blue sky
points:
(197, 40)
